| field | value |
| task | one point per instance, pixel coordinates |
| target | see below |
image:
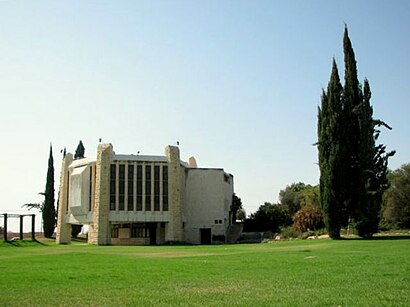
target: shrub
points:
(308, 218)
(289, 233)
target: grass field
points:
(293, 273)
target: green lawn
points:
(295, 273)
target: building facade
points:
(137, 199)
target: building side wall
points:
(99, 232)
(207, 203)
(173, 230)
(63, 235)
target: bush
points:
(308, 218)
(289, 233)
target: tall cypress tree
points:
(330, 154)
(353, 168)
(48, 211)
(354, 187)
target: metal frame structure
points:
(21, 217)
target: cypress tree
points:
(353, 169)
(79, 152)
(48, 211)
(354, 187)
(330, 154)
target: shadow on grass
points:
(379, 238)
(22, 243)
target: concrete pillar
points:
(21, 226)
(175, 173)
(63, 228)
(99, 232)
(33, 227)
(5, 227)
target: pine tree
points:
(48, 211)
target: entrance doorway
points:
(153, 233)
(206, 235)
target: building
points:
(137, 199)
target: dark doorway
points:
(153, 233)
(206, 236)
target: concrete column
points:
(100, 230)
(21, 226)
(175, 172)
(33, 227)
(63, 228)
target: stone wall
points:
(174, 231)
(100, 232)
(63, 228)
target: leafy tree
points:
(269, 217)
(310, 196)
(80, 151)
(236, 205)
(308, 218)
(297, 195)
(241, 214)
(48, 212)
(396, 204)
(292, 197)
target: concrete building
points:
(137, 199)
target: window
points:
(165, 188)
(156, 188)
(130, 206)
(139, 187)
(147, 188)
(139, 231)
(121, 184)
(112, 186)
(114, 231)
(90, 194)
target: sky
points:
(236, 83)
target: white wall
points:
(207, 198)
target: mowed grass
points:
(294, 273)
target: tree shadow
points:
(23, 243)
(380, 238)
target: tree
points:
(48, 212)
(292, 197)
(269, 217)
(396, 202)
(352, 167)
(241, 214)
(80, 151)
(330, 145)
(236, 205)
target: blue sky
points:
(237, 83)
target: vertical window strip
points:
(165, 188)
(139, 187)
(113, 172)
(130, 206)
(156, 188)
(148, 188)
(121, 184)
